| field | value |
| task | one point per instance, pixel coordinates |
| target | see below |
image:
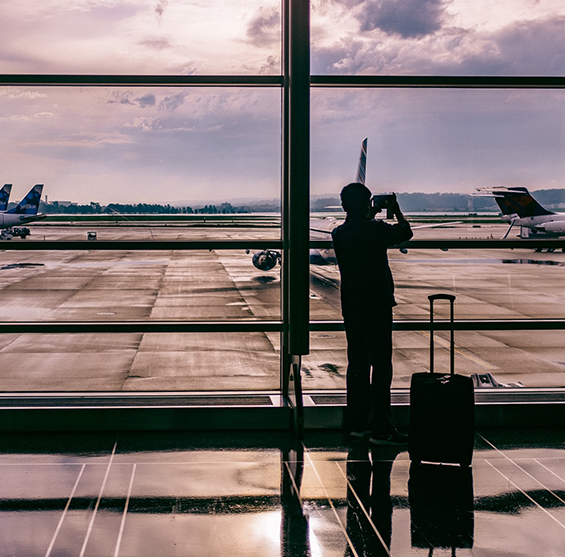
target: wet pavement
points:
(224, 285)
(265, 494)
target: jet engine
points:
(265, 260)
(553, 227)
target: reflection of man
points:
(367, 299)
(369, 505)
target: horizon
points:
(238, 201)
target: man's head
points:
(356, 199)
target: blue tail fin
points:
(5, 196)
(362, 167)
(29, 205)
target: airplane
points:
(520, 208)
(5, 196)
(25, 211)
(265, 260)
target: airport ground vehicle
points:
(15, 232)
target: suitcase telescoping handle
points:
(451, 299)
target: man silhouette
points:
(367, 299)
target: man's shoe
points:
(360, 434)
(392, 440)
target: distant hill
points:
(418, 202)
(550, 197)
(410, 202)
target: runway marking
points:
(475, 359)
(50, 548)
(118, 543)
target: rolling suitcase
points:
(442, 408)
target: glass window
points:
(437, 37)
(142, 145)
(140, 362)
(513, 358)
(141, 37)
(438, 140)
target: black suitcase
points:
(442, 409)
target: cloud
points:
(160, 9)
(120, 97)
(406, 18)
(26, 95)
(79, 140)
(126, 97)
(146, 100)
(142, 123)
(156, 43)
(265, 28)
(527, 47)
(170, 104)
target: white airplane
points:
(520, 208)
(5, 196)
(265, 260)
(26, 210)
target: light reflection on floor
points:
(263, 494)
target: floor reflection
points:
(265, 494)
(441, 506)
(369, 504)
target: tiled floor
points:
(251, 494)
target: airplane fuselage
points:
(7, 220)
(545, 224)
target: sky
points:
(165, 145)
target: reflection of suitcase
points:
(442, 411)
(441, 506)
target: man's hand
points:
(392, 204)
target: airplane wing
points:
(435, 225)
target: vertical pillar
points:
(296, 195)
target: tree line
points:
(94, 208)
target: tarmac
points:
(203, 285)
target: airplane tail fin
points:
(362, 167)
(517, 201)
(5, 196)
(29, 205)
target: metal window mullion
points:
(298, 232)
(122, 327)
(447, 82)
(510, 243)
(285, 198)
(69, 80)
(459, 325)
